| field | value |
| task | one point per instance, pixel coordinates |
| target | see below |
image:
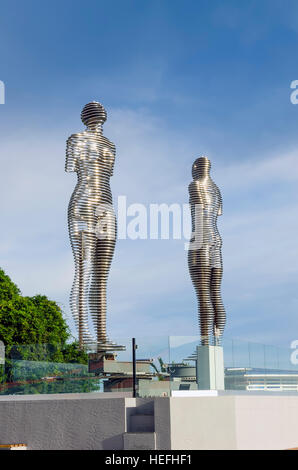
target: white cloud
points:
(278, 168)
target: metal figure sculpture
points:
(92, 226)
(205, 260)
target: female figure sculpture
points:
(204, 259)
(92, 225)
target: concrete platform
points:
(116, 421)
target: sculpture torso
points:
(204, 191)
(92, 156)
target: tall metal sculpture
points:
(92, 226)
(204, 256)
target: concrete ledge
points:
(65, 396)
(194, 393)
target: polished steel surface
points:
(205, 260)
(92, 226)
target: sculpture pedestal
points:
(210, 368)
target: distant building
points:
(250, 379)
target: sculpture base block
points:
(210, 368)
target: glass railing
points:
(44, 368)
(165, 366)
(48, 369)
(233, 365)
(151, 379)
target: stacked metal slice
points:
(92, 227)
(204, 256)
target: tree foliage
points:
(34, 321)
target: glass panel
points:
(248, 366)
(33, 369)
(182, 364)
(164, 366)
(152, 357)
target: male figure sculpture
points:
(92, 225)
(204, 258)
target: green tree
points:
(33, 328)
(29, 320)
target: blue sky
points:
(178, 79)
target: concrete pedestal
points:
(210, 368)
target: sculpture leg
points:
(98, 293)
(200, 271)
(86, 262)
(219, 311)
(77, 311)
(74, 294)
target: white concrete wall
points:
(202, 423)
(234, 422)
(266, 422)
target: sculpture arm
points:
(111, 156)
(71, 158)
(220, 204)
(195, 196)
(196, 205)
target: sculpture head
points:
(201, 168)
(93, 115)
